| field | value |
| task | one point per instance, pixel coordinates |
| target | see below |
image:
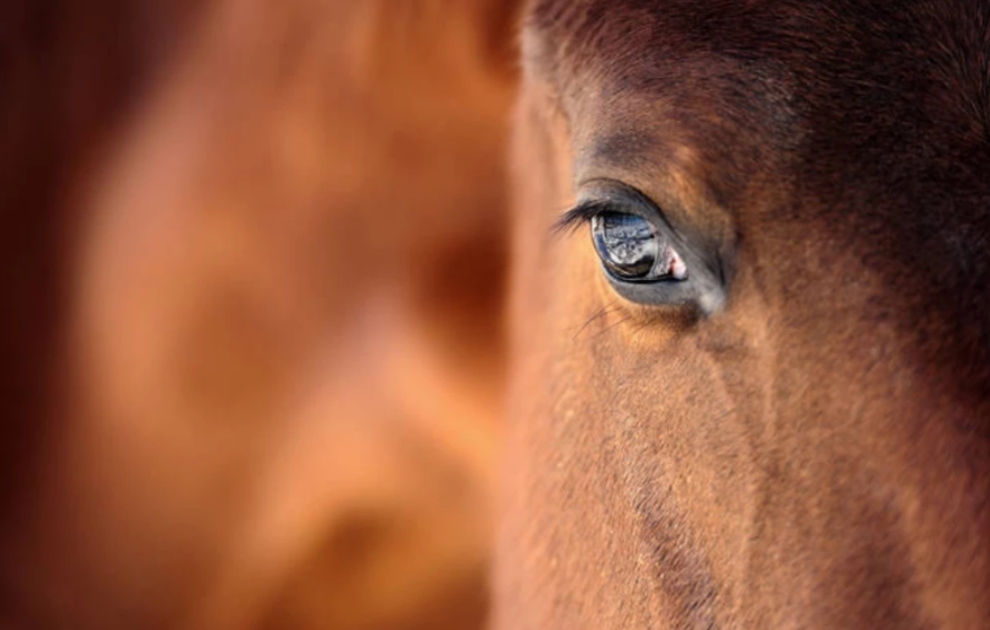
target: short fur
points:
(816, 455)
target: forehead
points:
(854, 98)
(843, 33)
(927, 62)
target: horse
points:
(749, 344)
(259, 255)
(255, 255)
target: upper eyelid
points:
(627, 200)
(590, 208)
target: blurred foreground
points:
(253, 257)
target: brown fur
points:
(817, 454)
(256, 254)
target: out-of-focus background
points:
(253, 266)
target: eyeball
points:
(632, 251)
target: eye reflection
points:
(626, 244)
(631, 249)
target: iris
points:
(632, 250)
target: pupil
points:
(625, 243)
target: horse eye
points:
(632, 250)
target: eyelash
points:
(582, 214)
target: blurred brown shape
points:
(254, 257)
